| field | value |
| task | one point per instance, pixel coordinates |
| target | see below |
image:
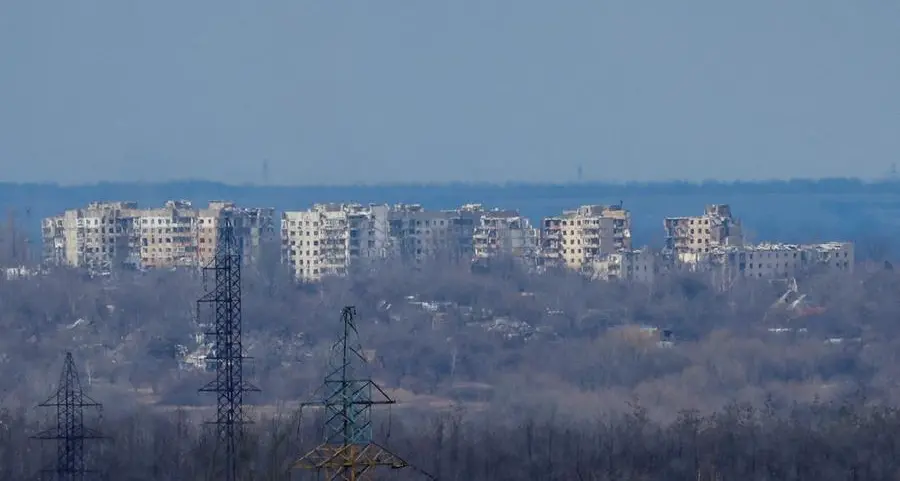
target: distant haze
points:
(373, 91)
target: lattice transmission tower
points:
(227, 353)
(70, 432)
(348, 452)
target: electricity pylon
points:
(227, 354)
(70, 432)
(348, 452)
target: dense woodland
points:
(500, 374)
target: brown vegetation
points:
(552, 355)
(530, 341)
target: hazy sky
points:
(334, 91)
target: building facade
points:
(687, 237)
(417, 234)
(116, 234)
(579, 237)
(636, 265)
(505, 233)
(327, 238)
(95, 237)
(166, 235)
(254, 230)
(777, 261)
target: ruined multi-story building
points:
(578, 237)
(105, 235)
(637, 265)
(254, 230)
(258, 230)
(505, 233)
(417, 234)
(95, 237)
(777, 261)
(166, 235)
(688, 237)
(327, 238)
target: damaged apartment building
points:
(418, 234)
(637, 265)
(688, 238)
(328, 238)
(95, 237)
(104, 235)
(505, 233)
(579, 238)
(713, 242)
(777, 260)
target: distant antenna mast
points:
(70, 432)
(12, 235)
(265, 172)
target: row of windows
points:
(98, 250)
(692, 221)
(164, 230)
(167, 240)
(579, 251)
(103, 230)
(95, 221)
(300, 262)
(153, 221)
(840, 265)
(419, 223)
(578, 242)
(99, 240)
(295, 223)
(308, 271)
(162, 249)
(575, 233)
(591, 221)
(584, 222)
(786, 265)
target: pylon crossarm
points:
(380, 456)
(388, 399)
(359, 395)
(322, 457)
(86, 401)
(333, 456)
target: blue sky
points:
(375, 91)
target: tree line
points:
(822, 441)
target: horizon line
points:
(612, 183)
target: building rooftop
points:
(591, 210)
(780, 247)
(502, 214)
